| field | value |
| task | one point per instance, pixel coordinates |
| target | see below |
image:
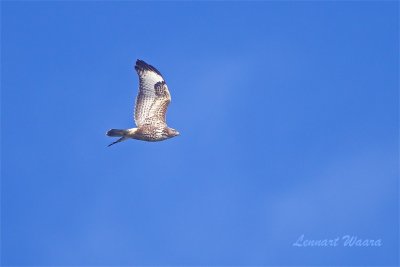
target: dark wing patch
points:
(160, 88)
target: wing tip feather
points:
(142, 65)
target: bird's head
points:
(172, 132)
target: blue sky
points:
(288, 114)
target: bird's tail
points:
(116, 133)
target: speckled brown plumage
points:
(150, 108)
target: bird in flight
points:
(150, 108)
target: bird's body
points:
(150, 108)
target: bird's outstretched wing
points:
(153, 98)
